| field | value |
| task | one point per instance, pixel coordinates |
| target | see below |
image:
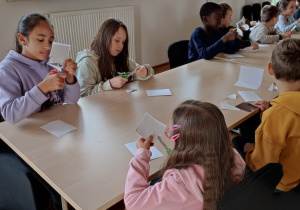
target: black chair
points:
(178, 53)
(247, 12)
(257, 192)
(265, 3)
(256, 11)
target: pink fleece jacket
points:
(179, 188)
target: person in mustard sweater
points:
(277, 139)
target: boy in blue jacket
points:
(207, 41)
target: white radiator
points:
(78, 28)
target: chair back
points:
(178, 53)
(247, 12)
(256, 11)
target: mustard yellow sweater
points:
(277, 139)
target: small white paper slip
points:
(58, 128)
(234, 56)
(249, 96)
(155, 152)
(159, 92)
(59, 52)
(273, 87)
(150, 126)
(263, 45)
(250, 77)
(225, 105)
(232, 96)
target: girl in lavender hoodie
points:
(201, 167)
(29, 85)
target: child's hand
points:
(118, 82)
(52, 82)
(255, 45)
(70, 67)
(248, 147)
(253, 23)
(264, 105)
(230, 36)
(141, 71)
(286, 35)
(142, 143)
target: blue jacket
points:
(204, 46)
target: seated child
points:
(277, 139)
(286, 20)
(297, 12)
(207, 41)
(226, 11)
(99, 67)
(200, 168)
(265, 32)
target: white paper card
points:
(59, 52)
(250, 77)
(155, 152)
(232, 96)
(150, 126)
(225, 105)
(239, 25)
(234, 56)
(249, 96)
(159, 92)
(263, 45)
(58, 128)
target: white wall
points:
(157, 22)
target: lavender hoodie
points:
(19, 94)
(179, 188)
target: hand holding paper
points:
(59, 53)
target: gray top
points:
(264, 35)
(286, 25)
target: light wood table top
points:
(257, 58)
(88, 166)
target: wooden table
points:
(258, 58)
(88, 166)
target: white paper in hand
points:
(250, 77)
(155, 152)
(150, 126)
(59, 53)
(239, 25)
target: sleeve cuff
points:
(143, 153)
(106, 85)
(37, 95)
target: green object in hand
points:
(124, 76)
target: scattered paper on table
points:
(155, 152)
(131, 90)
(233, 59)
(263, 45)
(159, 92)
(59, 53)
(234, 56)
(273, 87)
(58, 128)
(225, 105)
(249, 96)
(232, 96)
(150, 126)
(250, 77)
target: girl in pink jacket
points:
(200, 168)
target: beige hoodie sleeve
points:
(89, 76)
(264, 35)
(133, 65)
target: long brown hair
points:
(108, 65)
(203, 140)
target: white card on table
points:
(59, 52)
(249, 96)
(234, 56)
(58, 128)
(159, 92)
(250, 77)
(155, 152)
(150, 126)
(225, 105)
(232, 96)
(263, 45)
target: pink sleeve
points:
(240, 165)
(139, 195)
